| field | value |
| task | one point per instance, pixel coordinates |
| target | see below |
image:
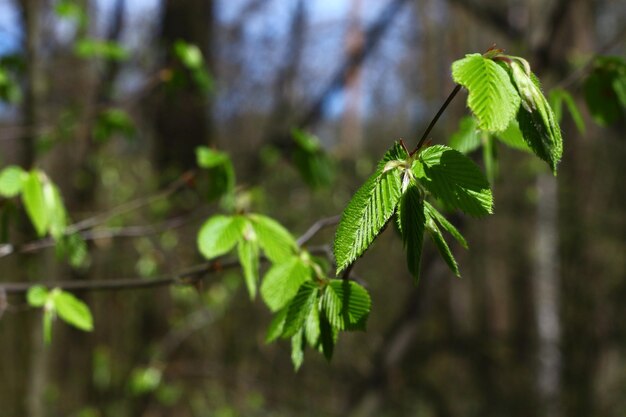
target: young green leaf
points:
(368, 210)
(299, 308)
(441, 244)
(248, 252)
(210, 158)
(282, 281)
(328, 336)
(37, 296)
(11, 181)
(411, 222)
(57, 216)
(312, 325)
(490, 158)
(467, 137)
(219, 235)
(220, 169)
(71, 310)
(276, 241)
(535, 117)
(346, 305)
(557, 98)
(312, 162)
(492, 97)
(297, 349)
(605, 90)
(275, 329)
(443, 222)
(98, 48)
(513, 138)
(454, 179)
(35, 202)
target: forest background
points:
(108, 98)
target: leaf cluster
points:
(58, 303)
(400, 186)
(502, 89)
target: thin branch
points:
(90, 222)
(316, 227)
(188, 276)
(436, 118)
(98, 234)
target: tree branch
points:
(433, 122)
(188, 276)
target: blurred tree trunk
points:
(568, 32)
(182, 117)
(31, 14)
(351, 136)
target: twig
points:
(436, 118)
(187, 276)
(90, 222)
(316, 227)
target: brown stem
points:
(436, 118)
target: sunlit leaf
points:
(455, 179)
(11, 181)
(219, 235)
(368, 210)
(275, 241)
(346, 305)
(299, 308)
(467, 137)
(282, 281)
(492, 98)
(72, 310)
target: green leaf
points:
(282, 281)
(443, 222)
(605, 90)
(346, 304)
(57, 216)
(312, 325)
(535, 117)
(189, 54)
(492, 97)
(441, 244)
(11, 181)
(490, 158)
(220, 169)
(411, 216)
(37, 296)
(328, 336)
(98, 48)
(248, 252)
(300, 308)
(368, 210)
(71, 310)
(557, 98)
(467, 138)
(35, 202)
(297, 349)
(275, 329)
(313, 164)
(74, 248)
(276, 241)
(219, 235)
(513, 138)
(455, 179)
(111, 122)
(210, 158)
